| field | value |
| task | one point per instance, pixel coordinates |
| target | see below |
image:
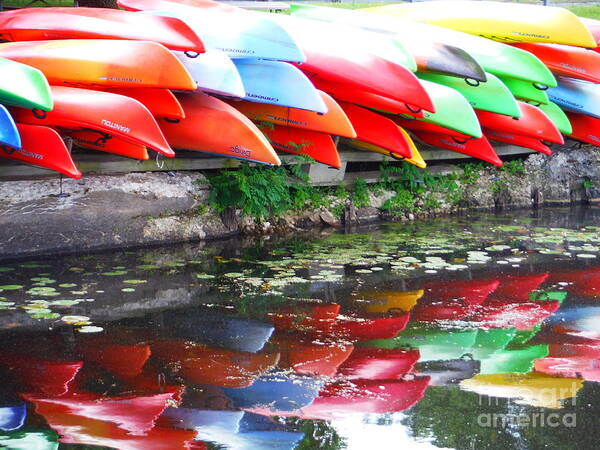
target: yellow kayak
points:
(416, 160)
(379, 302)
(535, 389)
(500, 21)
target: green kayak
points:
(452, 110)
(557, 116)
(491, 95)
(28, 438)
(25, 86)
(434, 343)
(513, 360)
(494, 57)
(526, 91)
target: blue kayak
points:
(214, 72)
(278, 392)
(278, 83)
(238, 35)
(12, 417)
(219, 330)
(577, 96)
(8, 130)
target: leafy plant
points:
(360, 193)
(515, 167)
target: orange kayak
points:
(42, 147)
(212, 126)
(378, 130)
(532, 123)
(574, 62)
(515, 139)
(319, 146)
(334, 121)
(416, 159)
(477, 147)
(162, 103)
(112, 114)
(41, 24)
(101, 62)
(99, 141)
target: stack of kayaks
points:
(198, 75)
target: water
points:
(472, 332)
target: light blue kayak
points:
(278, 392)
(234, 429)
(213, 72)
(9, 134)
(12, 417)
(238, 35)
(278, 83)
(219, 330)
(577, 96)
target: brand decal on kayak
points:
(237, 50)
(569, 66)
(453, 144)
(593, 138)
(22, 152)
(115, 126)
(505, 136)
(540, 36)
(568, 102)
(283, 119)
(262, 97)
(128, 80)
(241, 150)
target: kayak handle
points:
(417, 110)
(172, 120)
(541, 87)
(38, 113)
(472, 82)
(397, 157)
(6, 149)
(536, 104)
(190, 54)
(459, 141)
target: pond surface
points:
(473, 332)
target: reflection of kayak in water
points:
(376, 302)
(359, 396)
(372, 363)
(535, 389)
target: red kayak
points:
(40, 376)
(42, 24)
(359, 396)
(99, 141)
(445, 310)
(584, 282)
(115, 115)
(585, 128)
(98, 62)
(377, 130)
(468, 292)
(518, 140)
(212, 126)
(97, 427)
(334, 121)
(319, 146)
(121, 360)
(347, 93)
(518, 287)
(363, 329)
(310, 358)
(308, 318)
(519, 315)
(201, 364)
(373, 363)
(162, 103)
(476, 147)
(42, 147)
(566, 60)
(533, 123)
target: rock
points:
(328, 218)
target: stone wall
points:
(102, 212)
